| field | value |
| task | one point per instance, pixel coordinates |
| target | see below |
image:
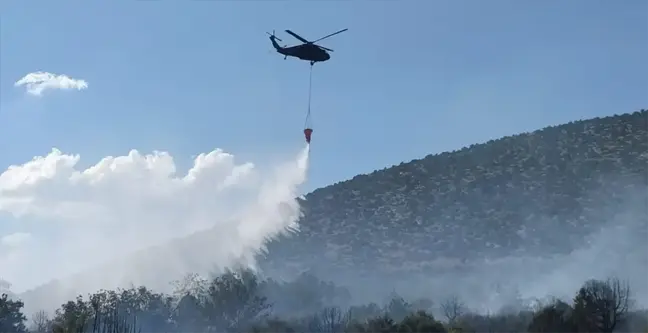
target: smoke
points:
(614, 246)
(126, 219)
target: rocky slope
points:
(535, 194)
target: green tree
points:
(11, 317)
(555, 317)
(362, 313)
(421, 322)
(382, 324)
(398, 308)
(73, 316)
(233, 301)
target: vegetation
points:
(242, 302)
(477, 202)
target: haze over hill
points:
(542, 211)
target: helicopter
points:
(307, 51)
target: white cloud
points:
(82, 217)
(37, 82)
(16, 239)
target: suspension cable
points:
(310, 89)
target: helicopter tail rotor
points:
(272, 35)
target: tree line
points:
(240, 301)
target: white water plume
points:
(131, 219)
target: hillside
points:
(533, 194)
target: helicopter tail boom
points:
(275, 45)
(274, 40)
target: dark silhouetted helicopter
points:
(307, 51)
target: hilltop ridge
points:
(637, 117)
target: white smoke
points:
(64, 219)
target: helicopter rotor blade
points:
(333, 34)
(298, 37)
(325, 48)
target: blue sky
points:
(409, 78)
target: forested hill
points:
(534, 194)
